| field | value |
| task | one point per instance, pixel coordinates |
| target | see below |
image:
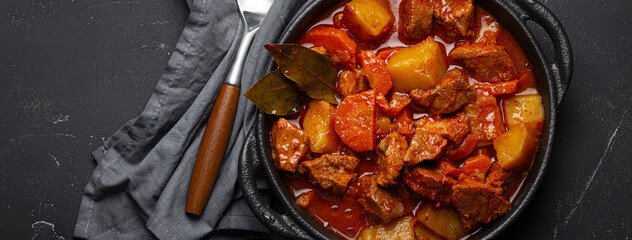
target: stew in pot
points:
(411, 119)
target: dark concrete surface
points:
(73, 71)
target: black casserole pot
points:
(552, 77)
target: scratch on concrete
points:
(31, 135)
(54, 159)
(133, 50)
(40, 226)
(112, 3)
(594, 173)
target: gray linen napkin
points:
(139, 187)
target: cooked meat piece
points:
(416, 19)
(485, 119)
(424, 146)
(452, 92)
(429, 184)
(489, 63)
(305, 199)
(390, 158)
(478, 202)
(383, 125)
(330, 172)
(290, 145)
(351, 82)
(456, 16)
(445, 167)
(454, 128)
(379, 206)
(499, 177)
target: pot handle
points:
(249, 163)
(562, 66)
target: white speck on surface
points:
(60, 118)
(54, 159)
(42, 227)
(160, 22)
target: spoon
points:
(220, 122)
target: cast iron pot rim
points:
(554, 85)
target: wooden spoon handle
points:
(212, 148)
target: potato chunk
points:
(423, 233)
(419, 66)
(402, 228)
(444, 221)
(368, 19)
(319, 124)
(514, 148)
(526, 109)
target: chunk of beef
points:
(452, 92)
(487, 28)
(454, 128)
(390, 158)
(379, 206)
(445, 167)
(424, 146)
(330, 172)
(499, 177)
(351, 82)
(305, 199)
(416, 19)
(478, 202)
(456, 16)
(430, 184)
(489, 63)
(383, 124)
(485, 119)
(290, 145)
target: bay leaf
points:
(275, 94)
(311, 71)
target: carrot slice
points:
(376, 72)
(447, 168)
(355, 121)
(386, 53)
(404, 122)
(498, 88)
(463, 150)
(398, 102)
(476, 166)
(342, 48)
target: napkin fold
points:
(139, 187)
